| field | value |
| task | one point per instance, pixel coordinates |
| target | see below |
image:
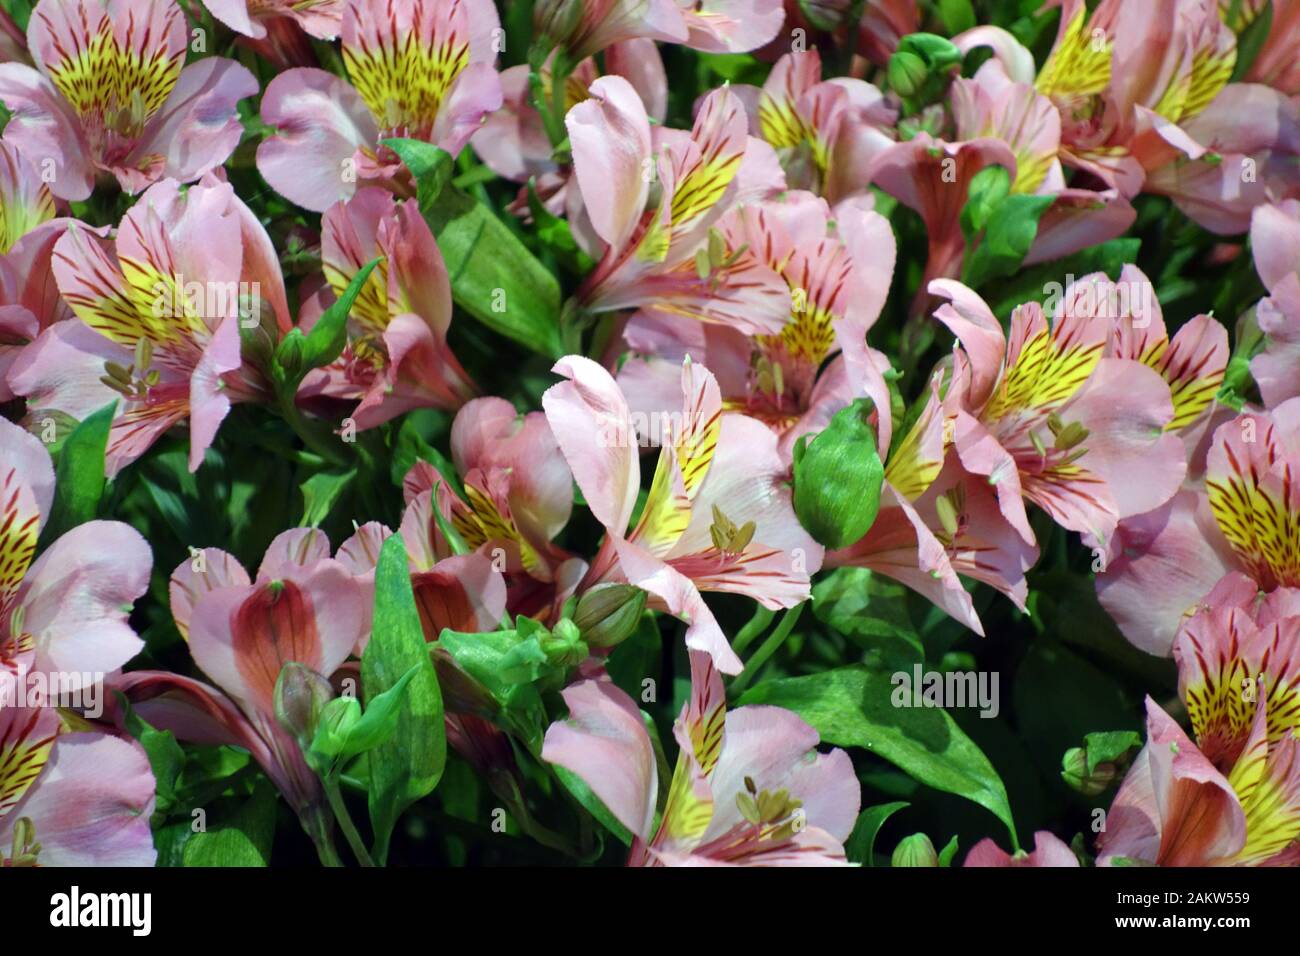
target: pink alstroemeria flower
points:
(463, 592)
(419, 69)
(513, 140)
(1243, 517)
(838, 264)
(1231, 796)
(749, 788)
(157, 319)
(518, 495)
(939, 523)
(664, 257)
(323, 19)
(1275, 243)
(66, 612)
(585, 27)
(1146, 105)
(71, 799)
(1049, 850)
(396, 357)
(933, 177)
(1044, 415)
(718, 516)
(29, 298)
(1192, 363)
(111, 94)
(825, 131)
(992, 105)
(304, 606)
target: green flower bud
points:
(564, 646)
(907, 73)
(916, 850)
(608, 614)
(300, 696)
(837, 478)
(337, 719)
(1075, 772)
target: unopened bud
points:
(608, 614)
(916, 850)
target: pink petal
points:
(604, 742)
(321, 122)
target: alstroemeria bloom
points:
(653, 258)
(718, 516)
(585, 27)
(1147, 106)
(1192, 363)
(66, 612)
(321, 18)
(419, 69)
(932, 177)
(838, 264)
(1049, 850)
(1231, 797)
(463, 592)
(1244, 518)
(71, 799)
(158, 319)
(518, 495)
(1045, 415)
(1275, 243)
(824, 131)
(938, 523)
(396, 357)
(749, 788)
(111, 94)
(29, 299)
(304, 606)
(992, 105)
(513, 140)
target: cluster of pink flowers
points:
(738, 270)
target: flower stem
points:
(344, 819)
(767, 649)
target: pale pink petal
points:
(91, 804)
(78, 593)
(610, 136)
(604, 741)
(321, 122)
(590, 420)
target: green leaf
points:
(987, 189)
(1010, 232)
(298, 354)
(837, 478)
(409, 765)
(243, 838)
(958, 16)
(493, 275)
(1251, 40)
(166, 758)
(861, 844)
(852, 707)
(321, 492)
(378, 722)
(80, 482)
(948, 852)
(1109, 746)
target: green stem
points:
(767, 649)
(757, 624)
(344, 819)
(316, 824)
